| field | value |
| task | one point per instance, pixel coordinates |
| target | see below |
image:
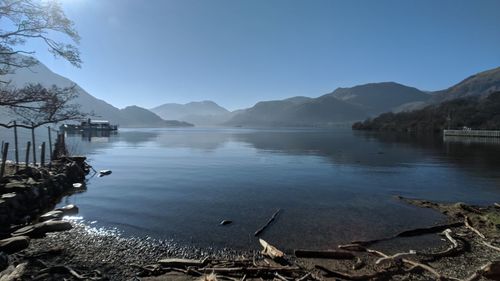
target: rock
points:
(56, 214)
(103, 173)
(9, 196)
(14, 244)
(4, 261)
(226, 222)
(492, 271)
(15, 186)
(68, 210)
(40, 229)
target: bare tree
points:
(55, 106)
(24, 20)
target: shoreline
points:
(103, 255)
(51, 247)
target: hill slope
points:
(137, 116)
(88, 103)
(472, 111)
(376, 98)
(323, 111)
(480, 84)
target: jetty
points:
(472, 133)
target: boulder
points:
(40, 229)
(15, 186)
(52, 215)
(68, 210)
(103, 173)
(14, 244)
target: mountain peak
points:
(205, 113)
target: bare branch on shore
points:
(469, 226)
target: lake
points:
(333, 186)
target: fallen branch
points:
(395, 256)
(487, 244)
(467, 224)
(250, 270)
(452, 250)
(352, 247)
(414, 264)
(260, 230)
(411, 233)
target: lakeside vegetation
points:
(472, 112)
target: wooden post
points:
(42, 155)
(4, 158)
(34, 144)
(50, 144)
(16, 146)
(28, 154)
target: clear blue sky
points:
(239, 52)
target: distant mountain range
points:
(202, 113)
(341, 106)
(132, 116)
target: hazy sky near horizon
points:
(237, 52)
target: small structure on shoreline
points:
(90, 125)
(471, 133)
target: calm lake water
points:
(333, 186)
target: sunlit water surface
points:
(333, 186)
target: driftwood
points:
(469, 226)
(487, 244)
(453, 249)
(182, 262)
(270, 251)
(352, 247)
(13, 273)
(260, 230)
(414, 264)
(395, 256)
(252, 270)
(411, 233)
(330, 254)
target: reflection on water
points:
(333, 186)
(470, 140)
